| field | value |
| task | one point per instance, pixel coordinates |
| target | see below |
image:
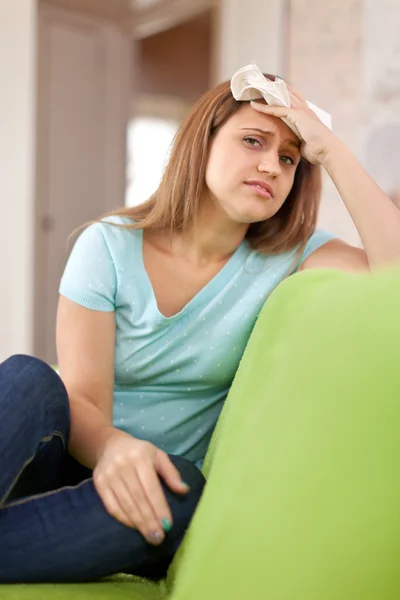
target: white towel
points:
(248, 83)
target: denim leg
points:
(67, 536)
(34, 422)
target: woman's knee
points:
(30, 379)
(189, 473)
(24, 364)
(183, 506)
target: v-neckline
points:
(207, 292)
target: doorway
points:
(173, 69)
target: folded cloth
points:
(248, 83)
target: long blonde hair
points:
(174, 206)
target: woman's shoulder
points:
(108, 237)
(279, 262)
(118, 220)
(318, 238)
(115, 223)
(100, 257)
(113, 229)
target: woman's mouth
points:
(261, 188)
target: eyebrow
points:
(265, 132)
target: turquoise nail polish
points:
(185, 484)
(166, 524)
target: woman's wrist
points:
(336, 153)
(105, 434)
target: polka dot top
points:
(172, 374)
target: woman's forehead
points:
(247, 117)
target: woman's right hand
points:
(126, 478)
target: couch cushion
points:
(303, 493)
(119, 587)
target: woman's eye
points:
(252, 141)
(287, 160)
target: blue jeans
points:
(53, 526)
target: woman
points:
(156, 306)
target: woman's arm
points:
(336, 254)
(375, 216)
(85, 351)
(127, 471)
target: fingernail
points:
(155, 538)
(166, 524)
(186, 485)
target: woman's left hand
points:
(317, 139)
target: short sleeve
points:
(318, 239)
(89, 277)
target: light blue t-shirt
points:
(172, 374)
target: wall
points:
(249, 30)
(381, 94)
(17, 151)
(325, 63)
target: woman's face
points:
(251, 166)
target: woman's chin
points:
(253, 212)
(253, 216)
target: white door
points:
(84, 105)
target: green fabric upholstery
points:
(303, 493)
(120, 587)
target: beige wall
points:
(346, 57)
(17, 142)
(325, 62)
(381, 102)
(249, 30)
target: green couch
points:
(303, 497)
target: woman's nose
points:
(270, 163)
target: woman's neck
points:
(214, 239)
